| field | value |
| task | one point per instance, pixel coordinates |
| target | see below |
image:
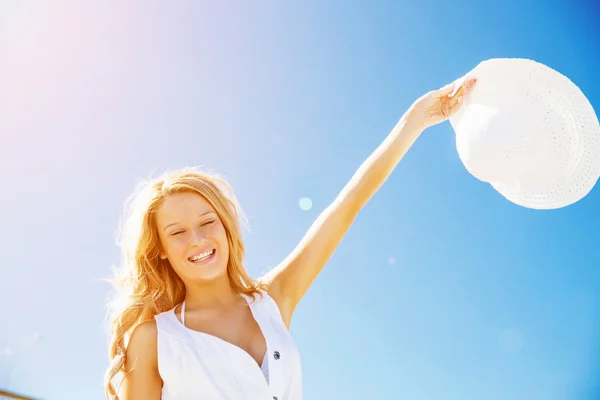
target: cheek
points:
(221, 236)
(171, 248)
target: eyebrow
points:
(201, 215)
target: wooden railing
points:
(9, 395)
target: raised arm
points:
(290, 280)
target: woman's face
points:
(192, 237)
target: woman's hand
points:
(439, 105)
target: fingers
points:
(464, 88)
(446, 109)
(452, 89)
(459, 94)
(452, 103)
(449, 98)
(449, 89)
(470, 83)
(458, 85)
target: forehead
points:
(180, 207)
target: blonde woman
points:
(188, 321)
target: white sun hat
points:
(529, 132)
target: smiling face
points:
(192, 237)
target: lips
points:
(202, 256)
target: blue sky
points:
(441, 290)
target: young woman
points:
(188, 322)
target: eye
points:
(212, 221)
(176, 233)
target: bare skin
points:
(188, 225)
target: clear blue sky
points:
(441, 290)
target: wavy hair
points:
(145, 284)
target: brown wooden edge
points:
(10, 395)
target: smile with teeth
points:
(202, 256)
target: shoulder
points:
(146, 331)
(142, 346)
(142, 378)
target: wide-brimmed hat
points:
(529, 132)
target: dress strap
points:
(183, 313)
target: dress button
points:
(274, 397)
(276, 355)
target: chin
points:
(211, 277)
(208, 273)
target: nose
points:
(198, 237)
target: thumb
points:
(451, 89)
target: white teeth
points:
(202, 256)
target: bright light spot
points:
(511, 341)
(305, 203)
(391, 260)
(32, 339)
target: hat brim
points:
(545, 131)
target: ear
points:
(162, 255)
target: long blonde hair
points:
(145, 284)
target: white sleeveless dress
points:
(198, 366)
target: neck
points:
(217, 293)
